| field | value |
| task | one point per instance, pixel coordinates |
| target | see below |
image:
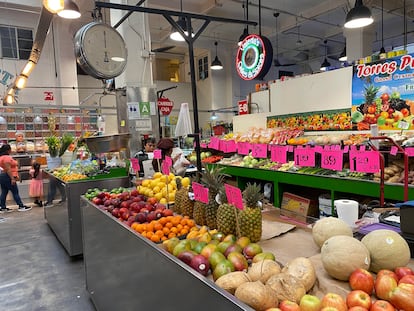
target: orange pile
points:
(165, 228)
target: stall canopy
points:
(183, 127)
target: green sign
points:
(144, 109)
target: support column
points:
(359, 42)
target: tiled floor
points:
(36, 274)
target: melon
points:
(387, 249)
(342, 254)
(328, 227)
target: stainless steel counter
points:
(65, 218)
(125, 271)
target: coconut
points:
(387, 249)
(263, 270)
(286, 287)
(231, 281)
(256, 295)
(328, 227)
(341, 255)
(303, 269)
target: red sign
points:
(48, 96)
(243, 107)
(165, 105)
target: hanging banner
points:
(165, 106)
(383, 94)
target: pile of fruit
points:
(161, 187)
(64, 173)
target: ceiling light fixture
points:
(325, 65)
(182, 24)
(70, 10)
(213, 116)
(359, 16)
(21, 82)
(216, 64)
(343, 57)
(54, 6)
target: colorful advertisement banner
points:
(383, 94)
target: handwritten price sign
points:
(364, 161)
(134, 164)
(304, 156)
(259, 150)
(332, 160)
(200, 192)
(228, 146)
(243, 148)
(157, 154)
(278, 153)
(214, 143)
(166, 164)
(234, 196)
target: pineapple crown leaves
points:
(213, 178)
(370, 92)
(252, 194)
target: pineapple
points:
(226, 216)
(250, 218)
(213, 179)
(370, 93)
(181, 191)
(199, 213)
(187, 205)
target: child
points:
(36, 184)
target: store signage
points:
(243, 107)
(165, 105)
(5, 77)
(166, 165)
(144, 109)
(228, 146)
(387, 84)
(200, 192)
(234, 196)
(214, 143)
(254, 57)
(364, 161)
(48, 96)
(259, 150)
(134, 165)
(243, 148)
(157, 154)
(278, 153)
(304, 156)
(332, 159)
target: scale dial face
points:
(100, 50)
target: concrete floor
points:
(36, 273)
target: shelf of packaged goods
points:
(334, 185)
(118, 262)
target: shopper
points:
(166, 145)
(8, 179)
(146, 154)
(55, 184)
(36, 184)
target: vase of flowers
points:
(57, 147)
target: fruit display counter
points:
(337, 187)
(125, 271)
(64, 218)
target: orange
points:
(150, 227)
(183, 231)
(155, 238)
(171, 235)
(174, 230)
(157, 226)
(139, 228)
(179, 227)
(176, 220)
(168, 225)
(183, 221)
(150, 234)
(191, 222)
(162, 220)
(160, 233)
(164, 238)
(166, 230)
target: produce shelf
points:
(125, 271)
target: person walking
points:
(36, 184)
(8, 179)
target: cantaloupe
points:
(342, 254)
(387, 249)
(328, 227)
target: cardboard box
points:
(299, 208)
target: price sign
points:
(234, 196)
(243, 148)
(304, 157)
(135, 165)
(259, 150)
(243, 107)
(394, 150)
(403, 125)
(410, 151)
(203, 145)
(278, 153)
(200, 192)
(332, 160)
(214, 143)
(166, 164)
(228, 146)
(364, 161)
(157, 154)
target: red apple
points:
(384, 285)
(287, 305)
(402, 297)
(387, 272)
(408, 279)
(310, 303)
(382, 305)
(357, 308)
(402, 271)
(358, 298)
(362, 279)
(334, 300)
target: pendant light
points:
(246, 29)
(325, 65)
(175, 34)
(70, 10)
(359, 16)
(382, 50)
(54, 6)
(216, 64)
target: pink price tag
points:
(166, 164)
(410, 151)
(243, 148)
(278, 153)
(304, 157)
(362, 148)
(259, 150)
(346, 149)
(332, 160)
(135, 165)
(203, 145)
(214, 143)
(234, 196)
(200, 192)
(230, 146)
(364, 161)
(394, 150)
(290, 148)
(157, 154)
